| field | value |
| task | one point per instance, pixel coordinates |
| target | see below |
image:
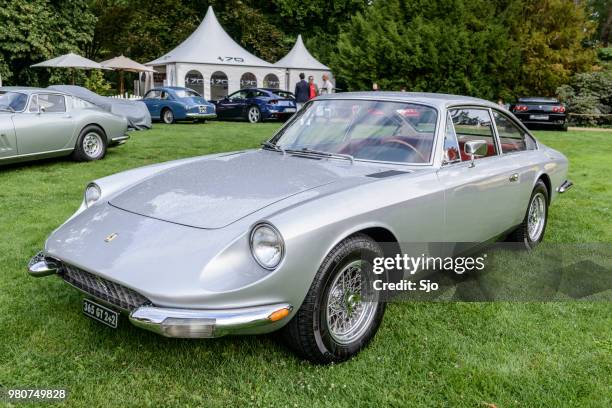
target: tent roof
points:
(210, 44)
(70, 60)
(122, 63)
(300, 58)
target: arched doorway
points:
(195, 80)
(271, 81)
(218, 86)
(248, 80)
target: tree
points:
(37, 30)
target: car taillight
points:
(558, 109)
(521, 108)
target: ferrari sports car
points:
(540, 111)
(257, 104)
(40, 123)
(275, 238)
(173, 103)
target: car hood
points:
(194, 100)
(213, 193)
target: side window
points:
(451, 145)
(511, 137)
(238, 95)
(473, 124)
(52, 103)
(152, 95)
(33, 104)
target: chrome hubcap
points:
(536, 217)
(92, 145)
(253, 114)
(168, 116)
(347, 316)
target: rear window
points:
(186, 93)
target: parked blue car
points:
(257, 104)
(173, 103)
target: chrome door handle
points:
(514, 177)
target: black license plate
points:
(100, 313)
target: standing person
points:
(301, 91)
(327, 86)
(313, 89)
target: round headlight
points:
(92, 194)
(267, 246)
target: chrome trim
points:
(36, 154)
(566, 185)
(201, 115)
(193, 323)
(40, 266)
(280, 237)
(120, 139)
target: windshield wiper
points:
(325, 154)
(273, 146)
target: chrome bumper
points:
(566, 185)
(119, 140)
(191, 323)
(201, 115)
(188, 323)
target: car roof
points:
(435, 99)
(30, 90)
(540, 99)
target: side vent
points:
(388, 173)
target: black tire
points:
(91, 144)
(253, 114)
(167, 116)
(521, 233)
(308, 333)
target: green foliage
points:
(35, 30)
(589, 94)
(605, 54)
(96, 82)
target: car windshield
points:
(364, 129)
(13, 101)
(186, 93)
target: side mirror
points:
(475, 148)
(41, 109)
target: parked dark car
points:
(257, 104)
(173, 103)
(538, 111)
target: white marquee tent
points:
(212, 63)
(300, 60)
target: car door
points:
(233, 106)
(8, 141)
(46, 125)
(153, 102)
(478, 197)
(518, 154)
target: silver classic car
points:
(255, 241)
(39, 123)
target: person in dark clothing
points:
(302, 91)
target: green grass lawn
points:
(425, 354)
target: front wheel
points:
(168, 116)
(334, 323)
(531, 231)
(254, 114)
(91, 144)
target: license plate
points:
(100, 313)
(538, 117)
(203, 109)
(289, 109)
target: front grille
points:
(103, 289)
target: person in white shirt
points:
(327, 86)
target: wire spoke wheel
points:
(347, 315)
(93, 145)
(536, 217)
(168, 116)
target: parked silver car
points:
(39, 123)
(254, 241)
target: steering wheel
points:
(405, 143)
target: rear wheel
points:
(254, 114)
(531, 231)
(91, 144)
(167, 116)
(335, 322)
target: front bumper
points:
(119, 140)
(180, 323)
(197, 115)
(566, 185)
